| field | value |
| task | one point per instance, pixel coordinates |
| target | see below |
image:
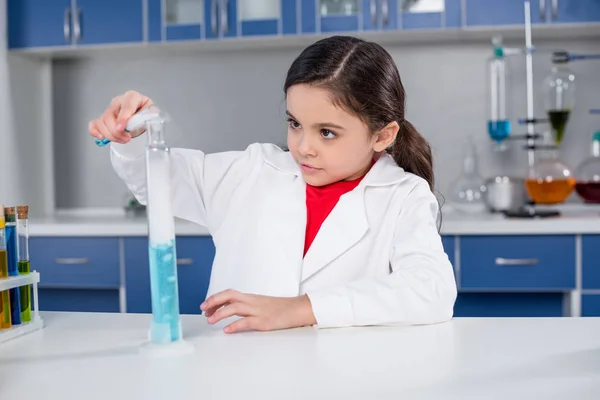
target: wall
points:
(227, 100)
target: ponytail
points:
(412, 153)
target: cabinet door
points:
(430, 14)
(108, 21)
(335, 15)
(590, 305)
(505, 12)
(78, 300)
(380, 15)
(178, 20)
(448, 243)
(194, 262)
(509, 305)
(573, 11)
(590, 258)
(267, 17)
(39, 23)
(220, 17)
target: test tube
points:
(166, 325)
(24, 265)
(5, 319)
(13, 263)
(499, 125)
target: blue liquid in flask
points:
(499, 130)
(165, 327)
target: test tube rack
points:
(32, 278)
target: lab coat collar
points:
(384, 172)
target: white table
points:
(96, 356)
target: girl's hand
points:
(262, 313)
(111, 124)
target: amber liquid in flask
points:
(549, 191)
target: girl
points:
(339, 231)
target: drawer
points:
(517, 305)
(590, 305)
(79, 300)
(539, 262)
(76, 262)
(194, 260)
(590, 257)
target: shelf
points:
(407, 37)
(21, 280)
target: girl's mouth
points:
(309, 169)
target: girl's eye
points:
(293, 124)
(327, 134)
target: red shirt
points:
(320, 200)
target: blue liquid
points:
(499, 130)
(165, 327)
(13, 270)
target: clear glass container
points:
(587, 174)
(24, 265)
(338, 7)
(184, 12)
(550, 180)
(468, 190)
(559, 98)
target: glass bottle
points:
(559, 95)
(5, 319)
(467, 191)
(550, 181)
(498, 86)
(24, 265)
(587, 174)
(13, 264)
(166, 325)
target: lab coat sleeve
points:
(420, 289)
(202, 185)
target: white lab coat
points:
(377, 259)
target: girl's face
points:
(328, 143)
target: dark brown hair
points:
(363, 78)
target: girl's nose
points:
(305, 147)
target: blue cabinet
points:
(78, 300)
(505, 12)
(76, 262)
(108, 21)
(380, 15)
(527, 262)
(220, 17)
(194, 261)
(590, 305)
(39, 23)
(448, 243)
(574, 11)
(590, 259)
(509, 305)
(43, 23)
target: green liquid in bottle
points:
(25, 293)
(558, 121)
(5, 319)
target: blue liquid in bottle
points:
(165, 327)
(499, 130)
(13, 270)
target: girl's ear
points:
(386, 136)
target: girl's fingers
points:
(219, 299)
(94, 131)
(105, 132)
(244, 324)
(211, 311)
(235, 309)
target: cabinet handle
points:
(543, 10)
(67, 24)
(554, 9)
(76, 25)
(386, 12)
(71, 261)
(224, 17)
(373, 10)
(213, 16)
(185, 261)
(517, 261)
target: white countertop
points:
(574, 220)
(96, 356)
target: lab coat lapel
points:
(344, 227)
